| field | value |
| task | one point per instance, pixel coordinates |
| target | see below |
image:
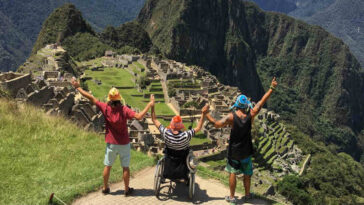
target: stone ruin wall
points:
(56, 99)
(14, 81)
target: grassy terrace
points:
(42, 154)
(93, 62)
(199, 139)
(121, 78)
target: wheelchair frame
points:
(158, 176)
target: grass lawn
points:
(120, 77)
(41, 154)
(93, 62)
(199, 138)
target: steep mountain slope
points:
(67, 27)
(320, 80)
(21, 22)
(284, 6)
(64, 22)
(13, 44)
(307, 8)
(343, 18)
(296, 8)
(128, 34)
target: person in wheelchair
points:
(177, 143)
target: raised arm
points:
(76, 84)
(154, 118)
(141, 114)
(227, 120)
(264, 99)
(204, 111)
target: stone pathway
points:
(207, 192)
(172, 108)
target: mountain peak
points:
(63, 22)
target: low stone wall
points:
(184, 111)
(65, 105)
(175, 104)
(14, 84)
(59, 83)
(203, 146)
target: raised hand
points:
(75, 83)
(205, 109)
(152, 100)
(274, 83)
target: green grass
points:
(217, 163)
(93, 62)
(41, 154)
(120, 77)
(269, 152)
(199, 138)
(138, 65)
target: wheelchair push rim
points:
(191, 186)
(158, 176)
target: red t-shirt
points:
(115, 123)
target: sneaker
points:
(106, 191)
(230, 200)
(247, 198)
(129, 192)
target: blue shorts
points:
(246, 167)
(112, 150)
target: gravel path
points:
(207, 192)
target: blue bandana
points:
(242, 102)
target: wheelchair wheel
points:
(158, 176)
(191, 187)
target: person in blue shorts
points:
(240, 148)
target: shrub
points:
(128, 34)
(85, 46)
(293, 188)
(171, 92)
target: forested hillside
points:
(321, 82)
(21, 21)
(67, 27)
(343, 18)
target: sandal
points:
(130, 191)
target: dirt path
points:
(207, 192)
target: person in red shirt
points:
(116, 135)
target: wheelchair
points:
(176, 160)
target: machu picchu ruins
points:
(183, 89)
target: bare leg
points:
(247, 181)
(106, 175)
(126, 177)
(232, 184)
